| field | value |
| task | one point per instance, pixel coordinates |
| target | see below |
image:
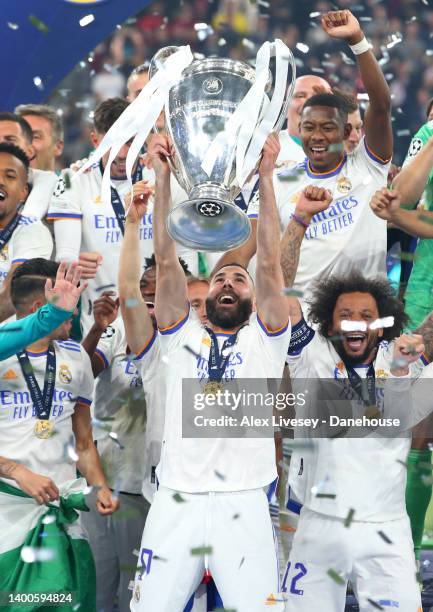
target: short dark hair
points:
(29, 279)
(47, 112)
(348, 99)
(141, 69)
(327, 291)
(8, 147)
(330, 100)
(150, 262)
(108, 113)
(24, 125)
(233, 263)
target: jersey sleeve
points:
(65, 202)
(85, 394)
(274, 342)
(31, 239)
(304, 343)
(367, 160)
(417, 143)
(42, 185)
(109, 345)
(175, 336)
(149, 362)
(254, 202)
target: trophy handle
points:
(289, 89)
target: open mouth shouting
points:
(355, 341)
(227, 299)
(318, 152)
(3, 195)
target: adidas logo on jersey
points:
(9, 375)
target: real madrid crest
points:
(344, 185)
(4, 253)
(65, 373)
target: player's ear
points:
(36, 304)
(95, 139)
(347, 130)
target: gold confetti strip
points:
(332, 573)
(375, 604)
(178, 498)
(349, 518)
(39, 24)
(384, 537)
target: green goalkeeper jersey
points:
(419, 293)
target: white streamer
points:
(138, 118)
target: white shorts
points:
(380, 572)
(243, 561)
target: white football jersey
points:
(347, 235)
(290, 151)
(153, 371)
(42, 184)
(30, 239)
(100, 232)
(368, 474)
(74, 383)
(197, 465)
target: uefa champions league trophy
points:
(206, 120)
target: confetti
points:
(222, 42)
(381, 323)
(401, 133)
(104, 287)
(30, 554)
(349, 518)
(332, 573)
(190, 350)
(314, 14)
(38, 83)
(158, 558)
(113, 436)
(67, 179)
(350, 326)
(395, 39)
(131, 303)
(178, 498)
(71, 452)
(248, 44)
(13, 26)
(326, 495)
(241, 563)
(236, 516)
(398, 363)
(375, 604)
(219, 475)
(39, 24)
(347, 60)
(203, 30)
(290, 291)
(86, 20)
(384, 537)
(317, 70)
(425, 218)
(48, 519)
(201, 550)
(302, 47)
(264, 3)
(337, 147)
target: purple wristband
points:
(300, 221)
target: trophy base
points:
(208, 224)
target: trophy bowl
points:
(197, 109)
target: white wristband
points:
(360, 47)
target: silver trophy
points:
(196, 111)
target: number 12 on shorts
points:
(299, 571)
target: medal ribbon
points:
(358, 384)
(217, 360)
(116, 202)
(6, 234)
(41, 401)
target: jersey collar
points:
(322, 175)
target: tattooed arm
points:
(426, 331)
(312, 201)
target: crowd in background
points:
(399, 31)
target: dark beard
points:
(228, 320)
(351, 361)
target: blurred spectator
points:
(47, 128)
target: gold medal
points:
(43, 429)
(212, 387)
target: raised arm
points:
(413, 177)
(243, 254)
(272, 306)
(377, 121)
(138, 324)
(171, 300)
(386, 204)
(312, 201)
